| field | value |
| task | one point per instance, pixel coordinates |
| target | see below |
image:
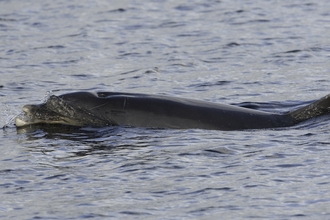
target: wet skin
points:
(140, 110)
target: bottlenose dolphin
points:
(101, 109)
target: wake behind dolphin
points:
(102, 109)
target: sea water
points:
(274, 54)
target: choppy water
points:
(275, 53)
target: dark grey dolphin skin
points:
(155, 111)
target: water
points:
(267, 52)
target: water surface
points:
(271, 53)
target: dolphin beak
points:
(20, 122)
(23, 119)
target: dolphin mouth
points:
(58, 111)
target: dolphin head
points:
(57, 110)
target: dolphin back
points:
(315, 109)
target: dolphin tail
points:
(317, 108)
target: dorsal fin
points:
(317, 108)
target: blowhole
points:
(101, 95)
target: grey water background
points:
(272, 53)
